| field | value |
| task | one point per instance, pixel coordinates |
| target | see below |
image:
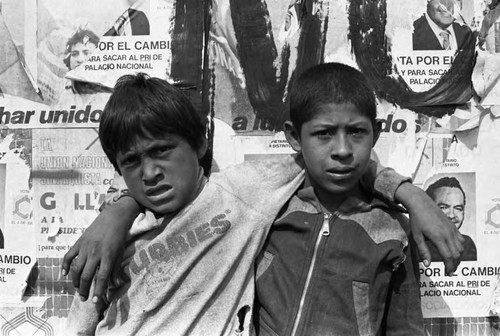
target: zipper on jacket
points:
(324, 231)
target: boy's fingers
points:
(423, 250)
(450, 254)
(450, 265)
(459, 242)
(68, 258)
(76, 269)
(86, 278)
(101, 281)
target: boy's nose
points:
(341, 146)
(151, 173)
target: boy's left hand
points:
(427, 220)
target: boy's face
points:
(162, 174)
(336, 145)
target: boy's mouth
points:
(340, 173)
(341, 170)
(156, 191)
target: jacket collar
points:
(352, 204)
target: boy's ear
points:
(202, 150)
(377, 129)
(292, 135)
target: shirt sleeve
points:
(117, 189)
(383, 180)
(403, 308)
(265, 185)
(84, 316)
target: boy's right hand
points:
(98, 251)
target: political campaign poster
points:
(84, 47)
(437, 99)
(251, 84)
(455, 171)
(17, 249)
(70, 177)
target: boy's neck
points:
(332, 201)
(201, 182)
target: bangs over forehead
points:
(147, 108)
(328, 83)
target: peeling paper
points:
(486, 78)
(53, 229)
(18, 255)
(495, 302)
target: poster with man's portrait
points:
(455, 195)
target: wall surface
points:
(235, 59)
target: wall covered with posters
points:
(439, 101)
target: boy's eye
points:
(130, 161)
(323, 134)
(163, 150)
(358, 131)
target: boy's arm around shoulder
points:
(265, 184)
(403, 315)
(426, 219)
(98, 251)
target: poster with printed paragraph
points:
(439, 109)
(395, 53)
(81, 52)
(455, 171)
(17, 253)
(59, 63)
(96, 47)
(70, 176)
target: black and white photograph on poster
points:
(455, 195)
(83, 47)
(133, 21)
(438, 48)
(438, 29)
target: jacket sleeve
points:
(403, 315)
(383, 180)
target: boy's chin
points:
(341, 189)
(162, 211)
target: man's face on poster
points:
(452, 202)
(441, 12)
(80, 52)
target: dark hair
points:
(80, 36)
(329, 83)
(450, 182)
(147, 107)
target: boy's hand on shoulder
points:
(97, 253)
(427, 220)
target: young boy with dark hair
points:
(190, 255)
(337, 261)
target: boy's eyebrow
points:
(350, 124)
(152, 146)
